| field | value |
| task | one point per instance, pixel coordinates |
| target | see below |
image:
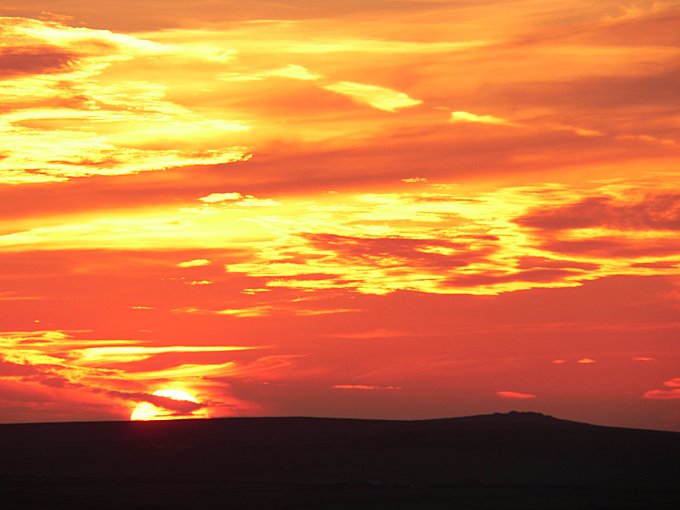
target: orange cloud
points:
(372, 334)
(262, 310)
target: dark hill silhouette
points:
(499, 461)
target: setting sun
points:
(146, 411)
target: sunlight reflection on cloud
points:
(56, 94)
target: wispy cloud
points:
(366, 387)
(472, 118)
(381, 98)
(263, 310)
(238, 199)
(94, 356)
(194, 263)
(372, 334)
(515, 395)
(290, 71)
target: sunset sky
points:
(370, 208)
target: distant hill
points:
(498, 461)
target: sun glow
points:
(147, 411)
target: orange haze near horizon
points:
(375, 209)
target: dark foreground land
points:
(504, 461)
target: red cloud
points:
(672, 394)
(653, 212)
(20, 61)
(662, 394)
(515, 395)
(410, 250)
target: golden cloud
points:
(434, 241)
(466, 117)
(57, 93)
(381, 98)
(194, 263)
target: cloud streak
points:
(472, 118)
(516, 395)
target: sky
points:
(372, 209)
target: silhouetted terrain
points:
(500, 461)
